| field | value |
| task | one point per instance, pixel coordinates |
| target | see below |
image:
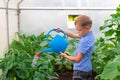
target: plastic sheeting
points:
(38, 16)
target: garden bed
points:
(67, 74)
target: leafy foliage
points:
(112, 70)
(62, 62)
(111, 27)
(107, 48)
(17, 61)
(102, 54)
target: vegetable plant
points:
(16, 64)
(61, 62)
(107, 47)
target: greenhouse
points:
(29, 28)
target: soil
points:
(67, 74)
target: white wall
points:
(7, 34)
(71, 3)
(42, 15)
(3, 30)
(13, 25)
(37, 21)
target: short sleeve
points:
(84, 46)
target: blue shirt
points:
(86, 47)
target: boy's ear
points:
(88, 27)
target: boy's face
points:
(82, 30)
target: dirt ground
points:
(67, 75)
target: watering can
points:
(58, 44)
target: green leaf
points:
(111, 69)
(68, 66)
(117, 49)
(118, 9)
(109, 32)
(102, 28)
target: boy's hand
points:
(58, 30)
(63, 54)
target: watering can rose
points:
(38, 54)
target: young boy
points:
(82, 55)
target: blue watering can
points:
(58, 44)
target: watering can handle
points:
(54, 30)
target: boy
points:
(82, 55)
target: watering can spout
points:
(46, 50)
